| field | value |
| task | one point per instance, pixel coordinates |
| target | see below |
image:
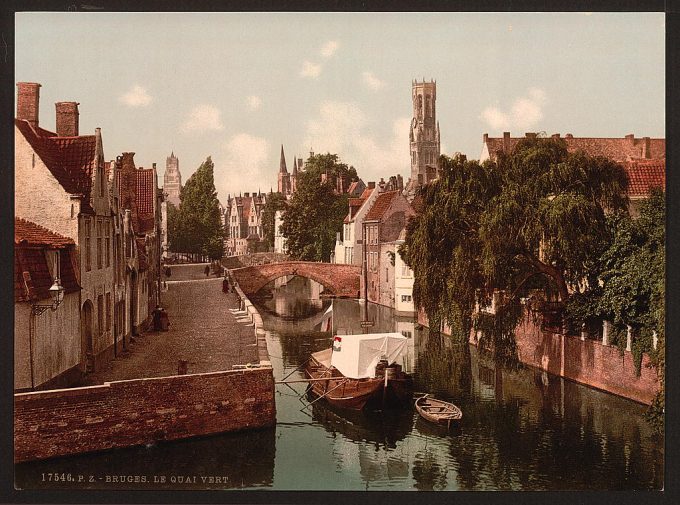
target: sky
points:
(236, 86)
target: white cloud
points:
(310, 69)
(372, 81)
(329, 48)
(344, 129)
(254, 102)
(203, 118)
(137, 96)
(525, 112)
(246, 160)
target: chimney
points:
(631, 138)
(371, 185)
(67, 119)
(246, 195)
(506, 142)
(28, 101)
(645, 147)
(485, 138)
(530, 135)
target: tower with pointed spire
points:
(424, 133)
(284, 186)
(172, 180)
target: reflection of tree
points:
(444, 367)
(427, 472)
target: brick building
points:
(47, 348)
(643, 158)
(60, 185)
(63, 184)
(349, 245)
(382, 227)
(424, 136)
(244, 224)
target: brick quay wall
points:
(141, 411)
(587, 362)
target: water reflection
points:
(521, 430)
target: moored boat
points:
(360, 369)
(438, 411)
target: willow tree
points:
(549, 216)
(443, 245)
(536, 214)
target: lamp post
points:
(57, 293)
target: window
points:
(100, 313)
(387, 274)
(406, 271)
(108, 311)
(88, 246)
(405, 298)
(99, 244)
(108, 244)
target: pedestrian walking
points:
(156, 318)
(207, 270)
(225, 285)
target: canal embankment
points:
(196, 379)
(583, 360)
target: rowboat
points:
(360, 369)
(438, 411)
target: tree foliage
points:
(275, 202)
(536, 214)
(630, 287)
(315, 212)
(196, 227)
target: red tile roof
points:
(71, 160)
(617, 149)
(30, 234)
(366, 193)
(382, 203)
(32, 279)
(645, 175)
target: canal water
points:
(522, 429)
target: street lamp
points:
(57, 293)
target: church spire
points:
(295, 167)
(282, 163)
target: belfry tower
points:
(424, 133)
(172, 180)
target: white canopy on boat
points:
(356, 356)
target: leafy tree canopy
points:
(538, 213)
(275, 202)
(315, 212)
(197, 226)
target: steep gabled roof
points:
(71, 160)
(645, 175)
(380, 206)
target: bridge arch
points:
(338, 280)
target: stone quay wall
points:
(141, 411)
(587, 361)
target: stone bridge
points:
(338, 280)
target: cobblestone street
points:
(202, 331)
